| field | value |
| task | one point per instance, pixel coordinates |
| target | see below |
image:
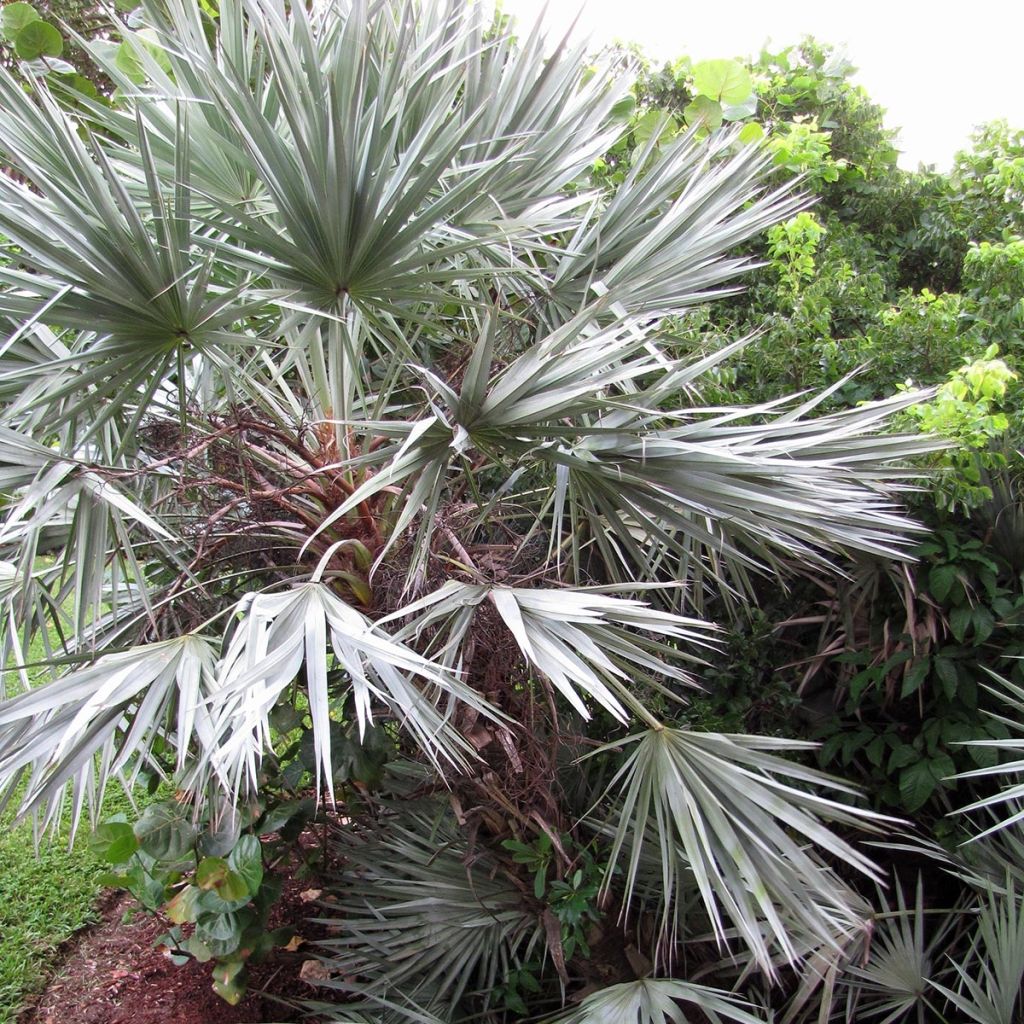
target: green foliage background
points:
(891, 278)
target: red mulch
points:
(112, 974)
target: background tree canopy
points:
(515, 460)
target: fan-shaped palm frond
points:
(717, 809)
(903, 957)
(743, 492)
(116, 708)
(990, 982)
(122, 270)
(582, 641)
(120, 705)
(657, 1001)
(1012, 697)
(656, 247)
(62, 502)
(370, 1010)
(281, 632)
(423, 915)
(373, 176)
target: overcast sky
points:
(938, 68)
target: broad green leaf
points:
(984, 624)
(959, 619)
(229, 981)
(165, 832)
(750, 133)
(946, 671)
(623, 110)
(246, 860)
(941, 579)
(917, 783)
(15, 17)
(38, 39)
(902, 756)
(983, 757)
(875, 750)
(279, 816)
(726, 81)
(740, 111)
(129, 59)
(129, 63)
(212, 872)
(82, 85)
(653, 123)
(942, 767)
(215, 874)
(222, 933)
(185, 906)
(704, 111)
(114, 842)
(915, 676)
(199, 949)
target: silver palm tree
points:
(331, 380)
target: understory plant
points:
(351, 406)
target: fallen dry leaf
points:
(312, 972)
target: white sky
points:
(937, 67)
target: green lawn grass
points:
(43, 899)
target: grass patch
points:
(42, 901)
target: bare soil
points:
(111, 973)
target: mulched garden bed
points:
(111, 973)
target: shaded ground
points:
(110, 973)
